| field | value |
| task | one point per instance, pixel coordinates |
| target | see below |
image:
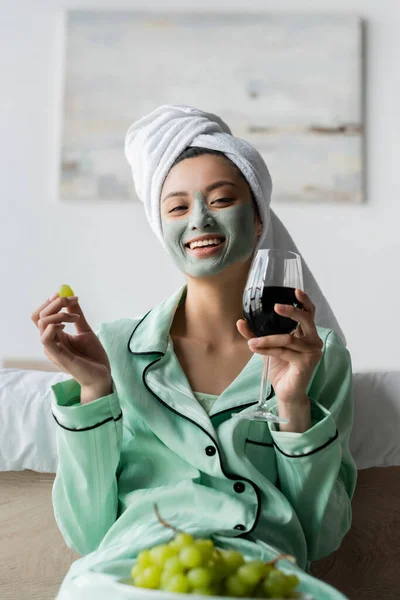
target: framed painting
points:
(289, 84)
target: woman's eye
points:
(222, 200)
(177, 208)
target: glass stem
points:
(263, 402)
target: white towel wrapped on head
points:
(155, 141)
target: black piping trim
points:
(312, 451)
(227, 475)
(242, 406)
(259, 443)
(87, 428)
(160, 355)
(133, 333)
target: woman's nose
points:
(201, 218)
(203, 221)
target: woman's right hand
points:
(81, 355)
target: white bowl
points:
(145, 594)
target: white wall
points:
(107, 251)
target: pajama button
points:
(240, 527)
(239, 487)
(210, 450)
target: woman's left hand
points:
(293, 356)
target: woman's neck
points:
(212, 307)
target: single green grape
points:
(144, 558)
(267, 570)
(251, 573)
(173, 565)
(274, 584)
(212, 569)
(199, 577)
(217, 570)
(140, 580)
(232, 560)
(160, 554)
(273, 589)
(165, 579)
(153, 576)
(202, 592)
(177, 583)
(65, 291)
(149, 578)
(181, 540)
(206, 548)
(235, 586)
(136, 570)
(292, 580)
(289, 582)
(190, 556)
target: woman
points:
(146, 417)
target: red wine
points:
(258, 310)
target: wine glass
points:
(273, 277)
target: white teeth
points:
(201, 243)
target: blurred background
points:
(68, 213)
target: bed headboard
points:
(31, 364)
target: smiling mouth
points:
(205, 243)
(206, 246)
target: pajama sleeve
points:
(316, 470)
(85, 492)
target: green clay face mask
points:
(236, 224)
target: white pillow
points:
(27, 426)
(375, 437)
(28, 429)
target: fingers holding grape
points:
(57, 319)
(82, 355)
(52, 306)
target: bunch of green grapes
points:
(195, 566)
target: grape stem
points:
(270, 562)
(288, 557)
(159, 517)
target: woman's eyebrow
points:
(173, 194)
(218, 184)
(209, 188)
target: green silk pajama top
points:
(245, 483)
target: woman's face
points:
(208, 217)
